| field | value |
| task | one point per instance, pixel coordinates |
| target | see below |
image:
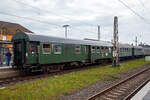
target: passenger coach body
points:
(44, 53)
(125, 50)
(138, 51)
(35, 51)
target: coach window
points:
(106, 49)
(77, 49)
(123, 49)
(98, 50)
(109, 49)
(57, 49)
(46, 48)
(93, 49)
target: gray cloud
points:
(83, 16)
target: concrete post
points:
(115, 44)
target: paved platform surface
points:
(147, 97)
(143, 94)
(5, 67)
(8, 71)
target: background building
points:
(7, 30)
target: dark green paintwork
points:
(52, 58)
(125, 53)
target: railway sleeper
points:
(118, 91)
(124, 87)
(115, 93)
(105, 97)
(111, 95)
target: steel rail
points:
(136, 90)
(93, 97)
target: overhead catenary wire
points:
(44, 22)
(31, 19)
(20, 2)
(137, 14)
(143, 5)
(39, 21)
(48, 11)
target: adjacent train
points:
(44, 53)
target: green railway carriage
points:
(101, 50)
(44, 52)
(125, 50)
(146, 51)
(138, 51)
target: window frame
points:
(78, 48)
(60, 52)
(93, 49)
(33, 45)
(43, 52)
(98, 50)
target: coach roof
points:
(125, 45)
(51, 39)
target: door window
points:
(86, 49)
(33, 48)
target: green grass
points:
(53, 87)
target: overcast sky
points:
(48, 16)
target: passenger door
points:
(19, 52)
(34, 52)
(88, 52)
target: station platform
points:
(143, 94)
(7, 72)
(5, 67)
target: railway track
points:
(125, 89)
(4, 82)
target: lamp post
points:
(98, 33)
(65, 26)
